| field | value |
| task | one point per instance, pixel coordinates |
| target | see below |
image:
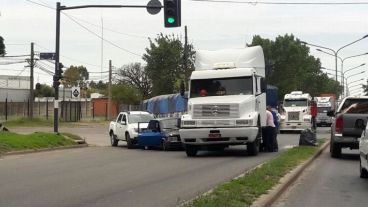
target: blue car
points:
(162, 133)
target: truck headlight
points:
(188, 123)
(244, 122)
(307, 118)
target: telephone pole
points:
(109, 99)
(31, 96)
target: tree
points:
(365, 89)
(293, 67)
(2, 46)
(165, 63)
(44, 90)
(135, 75)
(125, 94)
(76, 76)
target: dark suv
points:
(350, 119)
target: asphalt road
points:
(329, 182)
(108, 176)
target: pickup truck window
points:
(120, 117)
(290, 102)
(135, 118)
(222, 86)
(355, 106)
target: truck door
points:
(118, 126)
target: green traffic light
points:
(171, 20)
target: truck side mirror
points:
(182, 88)
(331, 113)
(263, 85)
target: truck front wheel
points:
(113, 140)
(191, 150)
(335, 150)
(129, 141)
(253, 147)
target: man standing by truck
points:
(270, 131)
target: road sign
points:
(75, 92)
(153, 3)
(47, 56)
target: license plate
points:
(294, 127)
(214, 135)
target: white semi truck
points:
(226, 101)
(324, 105)
(297, 114)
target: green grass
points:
(15, 142)
(245, 190)
(37, 122)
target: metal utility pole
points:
(56, 81)
(153, 7)
(109, 99)
(31, 96)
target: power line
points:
(108, 41)
(283, 3)
(39, 4)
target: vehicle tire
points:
(165, 146)
(335, 150)
(363, 172)
(253, 147)
(191, 150)
(113, 140)
(129, 141)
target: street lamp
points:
(337, 51)
(353, 68)
(349, 86)
(342, 61)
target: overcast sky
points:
(210, 26)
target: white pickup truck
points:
(126, 127)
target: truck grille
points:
(293, 116)
(216, 111)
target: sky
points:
(210, 26)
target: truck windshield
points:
(221, 86)
(135, 118)
(300, 102)
(355, 106)
(323, 109)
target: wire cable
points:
(108, 41)
(283, 3)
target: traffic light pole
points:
(59, 8)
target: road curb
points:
(44, 149)
(285, 182)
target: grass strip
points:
(245, 190)
(14, 142)
(38, 122)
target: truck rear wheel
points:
(191, 150)
(363, 172)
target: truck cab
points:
(226, 101)
(296, 115)
(324, 105)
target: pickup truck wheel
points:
(253, 147)
(113, 140)
(335, 150)
(191, 150)
(363, 172)
(129, 141)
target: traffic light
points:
(172, 13)
(60, 72)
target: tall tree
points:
(165, 63)
(135, 75)
(44, 90)
(2, 46)
(294, 68)
(76, 76)
(125, 94)
(365, 89)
